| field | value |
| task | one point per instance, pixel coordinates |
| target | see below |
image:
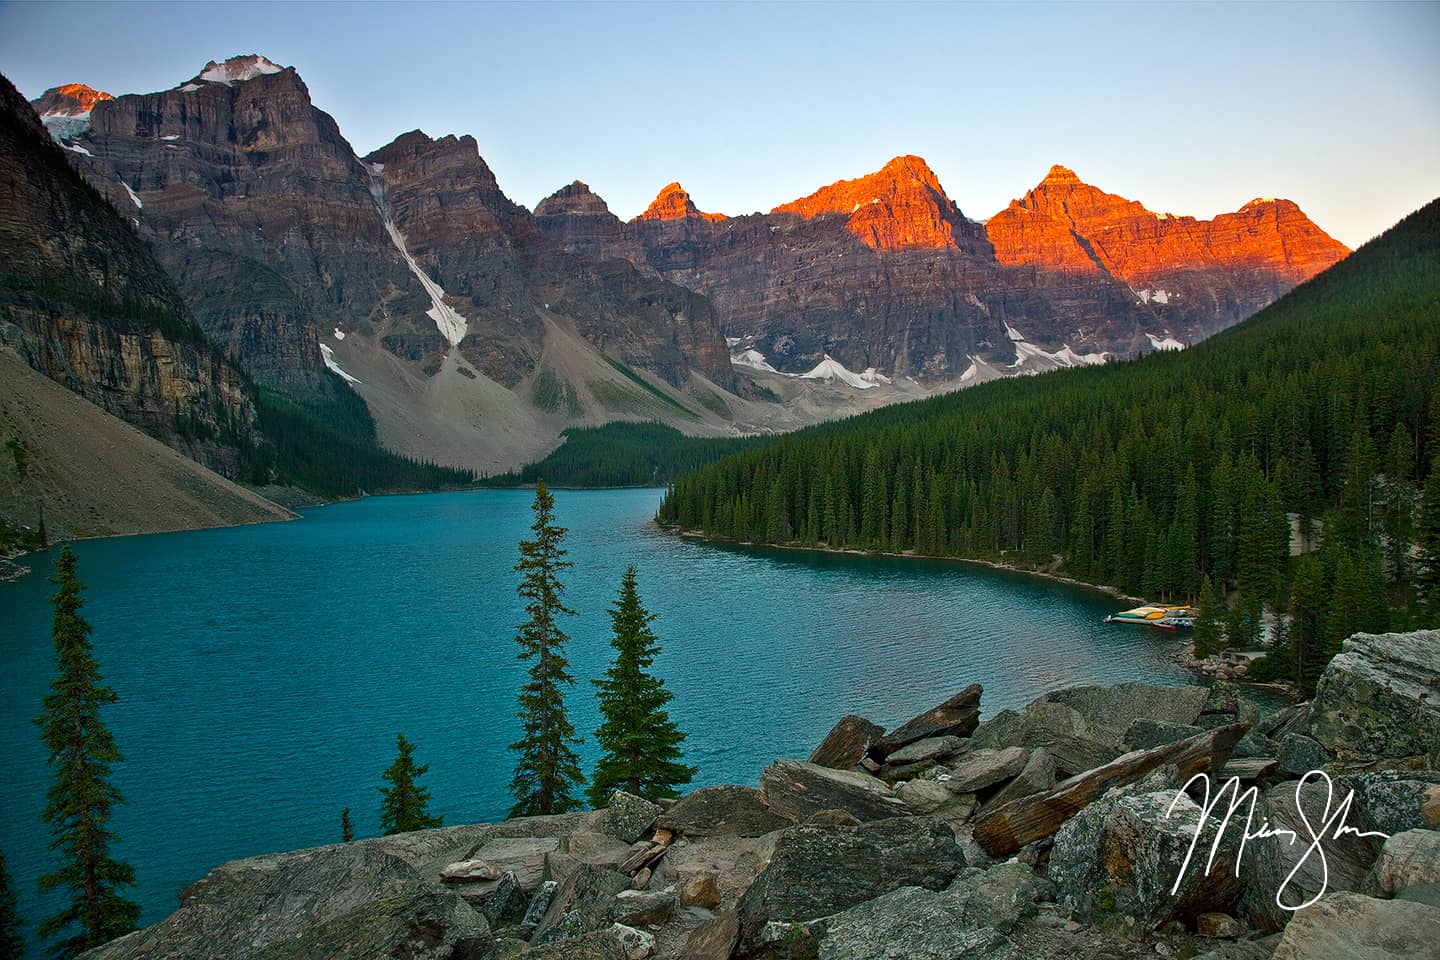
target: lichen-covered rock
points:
(1001, 896)
(721, 811)
(796, 791)
(508, 902)
(1145, 733)
(1393, 801)
(1409, 859)
(929, 750)
(816, 871)
(644, 908)
(628, 817)
(1349, 926)
(589, 893)
(1380, 696)
(1299, 755)
(847, 743)
(424, 927)
(1125, 853)
(638, 943)
(912, 922)
(1037, 776)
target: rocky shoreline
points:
(1056, 831)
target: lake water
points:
(264, 671)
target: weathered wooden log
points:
(1006, 829)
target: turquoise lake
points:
(264, 671)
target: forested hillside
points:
(1156, 474)
(625, 454)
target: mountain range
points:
(476, 330)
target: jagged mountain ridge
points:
(461, 317)
(885, 271)
(409, 271)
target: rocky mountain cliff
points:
(408, 271)
(1058, 832)
(85, 303)
(885, 271)
(477, 331)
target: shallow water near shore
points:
(264, 671)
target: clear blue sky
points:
(1192, 109)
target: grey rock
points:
(1255, 744)
(924, 796)
(986, 768)
(470, 871)
(1393, 801)
(539, 904)
(593, 846)
(796, 791)
(644, 908)
(957, 716)
(638, 944)
(1125, 851)
(429, 926)
(596, 945)
(1000, 897)
(1037, 776)
(847, 743)
(1269, 861)
(816, 871)
(523, 856)
(1145, 733)
(1299, 755)
(558, 866)
(628, 817)
(1052, 726)
(1292, 719)
(1241, 950)
(931, 749)
(570, 925)
(1380, 696)
(1104, 714)
(1426, 893)
(721, 811)
(1408, 859)
(1349, 926)
(912, 922)
(588, 892)
(507, 904)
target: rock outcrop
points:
(1133, 864)
(1380, 697)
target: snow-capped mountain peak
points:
(237, 70)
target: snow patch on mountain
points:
(1030, 358)
(1161, 297)
(831, 370)
(752, 358)
(327, 353)
(1167, 343)
(133, 199)
(238, 70)
(448, 321)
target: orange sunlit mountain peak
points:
(70, 99)
(900, 206)
(673, 203)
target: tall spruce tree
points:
(12, 942)
(1427, 567)
(80, 801)
(548, 767)
(403, 802)
(1209, 636)
(641, 743)
(347, 832)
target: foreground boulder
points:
(931, 925)
(1006, 829)
(427, 925)
(847, 743)
(798, 791)
(816, 870)
(721, 811)
(956, 717)
(1409, 859)
(1393, 801)
(1127, 853)
(1349, 926)
(1380, 696)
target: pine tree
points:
(1208, 637)
(641, 743)
(1307, 621)
(548, 768)
(1427, 567)
(12, 943)
(347, 832)
(80, 801)
(402, 804)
